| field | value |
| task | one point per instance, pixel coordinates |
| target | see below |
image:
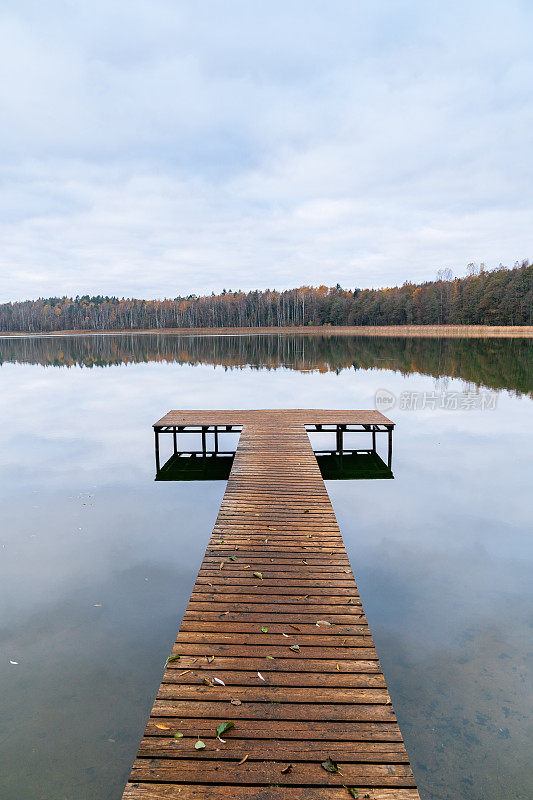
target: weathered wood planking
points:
(327, 699)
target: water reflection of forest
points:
(494, 363)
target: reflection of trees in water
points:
(495, 363)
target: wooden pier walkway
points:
(275, 640)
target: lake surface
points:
(97, 560)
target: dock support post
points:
(175, 438)
(204, 448)
(374, 438)
(389, 455)
(339, 439)
(157, 463)
(216, 439)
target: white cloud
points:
(160, 148)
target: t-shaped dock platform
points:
(274, 640)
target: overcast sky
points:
(160, 148)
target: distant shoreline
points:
(444, 331)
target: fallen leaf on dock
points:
(184, 673)
(259, 575)
(223, 727)
(286, 635)
(294, 647)
(163, 727)
(232, 558)
(178, 735)
(236, 702)
(210, 659)
(221, 565)
(320, 622)
(329, 765)
(294, 627)
(217, 680)
(353, 791)
(172, 658)
(199, 745)
(260, 676)
(287, 768)
(271, 657)
(242, 760)
(264, 630)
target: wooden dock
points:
(274, 639)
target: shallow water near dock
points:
(97, 560)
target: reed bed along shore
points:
(469, 331)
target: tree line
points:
(484, 297)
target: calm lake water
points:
(97, 560)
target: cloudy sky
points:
(155, 148)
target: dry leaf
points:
(163, 727)
(217, 680)
(236, 702)
(242, 760)
(287, 768)
(260, 676)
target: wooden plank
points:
(151, 791)
(286, 655)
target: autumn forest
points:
(484, 297)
